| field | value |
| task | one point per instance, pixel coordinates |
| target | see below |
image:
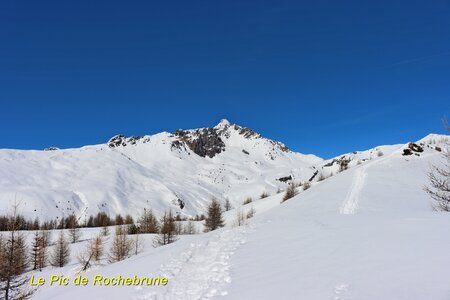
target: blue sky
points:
(324, 77)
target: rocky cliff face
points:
(203, 142)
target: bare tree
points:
(121, 246)
(190, 228)
(46, 237)
(105, 230)
(227, 204)
(167, 234)
(96, 247)
(61, 252)
(439, 177)
(148, 222)
(13, 260)
(214, 218)
(38, 251)
(94, 252)
(240, 218)
(137, 244)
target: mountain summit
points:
(182, 171)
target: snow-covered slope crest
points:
(166, 170)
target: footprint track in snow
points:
(202, 270)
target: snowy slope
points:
(127, 174)
(365, 233)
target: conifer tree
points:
(214, 218)
(167, 234)
(148, 222)
(61, 252)
(121, 246)
(13, 261)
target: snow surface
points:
(366, 233)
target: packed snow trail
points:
(350, 204)
(351, 201)
(202, 271)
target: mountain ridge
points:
(158, 171)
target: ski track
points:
(201, 271)
(350, 204)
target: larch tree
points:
(74, 228)
(61, 252)
(38, 251)
(13, 261)
(214, 218)
(167, 233)
(121, 246)
(148, 222)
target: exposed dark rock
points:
(121, 140)
(51, 149)
(412, 147)
(329, 164)
(285, 179)
(407, 152)
(116, 141)
(314, 175)
(177, 145)
(245, 151)
(181, 203)
(204, 142)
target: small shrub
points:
(251, 213)
(306, 185)
(248, 200)
(291, 191)
(264, 195)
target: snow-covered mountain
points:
(166, 170)
(368, 232)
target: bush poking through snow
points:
(291, 191)
(306, 185)
(251, 213)
(264, 195)
(240, 218)
(247, 201)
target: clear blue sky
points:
(324, 77)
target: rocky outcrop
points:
(121, 140)
(203, 142)
(285, 179)
(412, 147)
